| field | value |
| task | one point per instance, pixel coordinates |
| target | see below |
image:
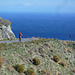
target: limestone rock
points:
(5, 30)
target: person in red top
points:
(20, 35)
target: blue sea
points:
(45, 25)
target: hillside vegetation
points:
(4, 22)
(39, 57)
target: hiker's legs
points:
(19, 38)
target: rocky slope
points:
(39, 57)
(5, 30)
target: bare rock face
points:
(5, 30)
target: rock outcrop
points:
(5, 30)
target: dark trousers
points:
(19, 38)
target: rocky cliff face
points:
(5, 30)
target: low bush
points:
(56, 58)
(43, 71)
(0, 47)
(41, 50)
(63, 63)
(73, 45)
(73, 70)
(46, 44)
(37, 43)
(65, 43)
(70, 50)
(19, 68)
(30, 72)
(36, 61)
(70, 44)
(52, 45)
(33, 41)
(52, 50)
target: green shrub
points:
(36, 61)
(30, 72)
(19, 68)
(56, 58)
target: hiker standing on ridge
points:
(20, 35)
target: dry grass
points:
(49, 72)
(10, 68)
(65, 43)
(1, 61)
(65, 49)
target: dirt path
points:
(22, 40)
